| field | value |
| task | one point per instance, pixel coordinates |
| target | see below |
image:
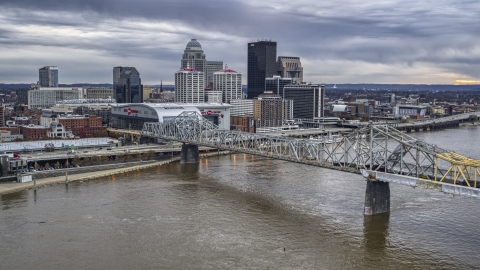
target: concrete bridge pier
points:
(377, 198)
(189, 154)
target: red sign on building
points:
(130, 111)
(209, 112)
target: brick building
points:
(34, 132)
(84, 126)
(245, 123)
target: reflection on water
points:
(375, 233)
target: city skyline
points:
(337, 41)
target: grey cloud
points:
(388, 32)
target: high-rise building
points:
(212, 67)
(45, 97)
(290, 67)
(193, 57)
(261, 64)
(189, 86)
(48, 76)
(229, 82)
(127, 85)
(308, 100)
(268, 110)
(22, 95)
(276, 84)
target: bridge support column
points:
(377, 198)
(189, 154)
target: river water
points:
(240, 212)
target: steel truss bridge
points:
(379, 152)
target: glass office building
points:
(262, 63)
(48, 76)
(127, 85)
(308, 100)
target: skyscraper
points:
(229, 82)
(290, 67)
(189, 86)
(261, 64)
(48, 76)
(212, 66)
(127, 85)
(268, 110)
(193, 57)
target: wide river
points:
(241, 212)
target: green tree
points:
(57, 165)
(47, 165)
(36, 166)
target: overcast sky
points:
(341, 41)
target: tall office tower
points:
(189, 86)
(308, 100)
(268, 110)
(127, 85)
(290, 67)
(212, 67)
(262, 63)
(193, 57)
(276, 84)
(48, 76)
(229, 82)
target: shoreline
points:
(12, 187)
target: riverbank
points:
(12, 187)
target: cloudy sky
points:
(341, 41)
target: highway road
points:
(88, 152)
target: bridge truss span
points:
(374, 148)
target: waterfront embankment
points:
(95, 172)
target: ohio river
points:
(241, 212)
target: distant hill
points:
(403, 87)
(14, 86)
